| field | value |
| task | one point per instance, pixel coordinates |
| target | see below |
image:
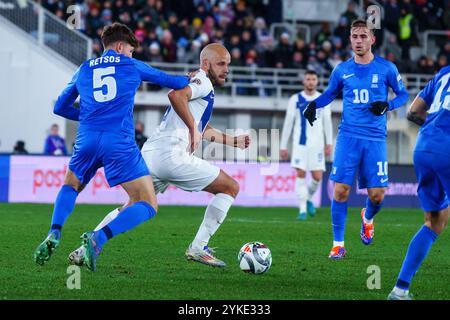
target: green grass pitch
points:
(149, 262)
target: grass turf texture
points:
(149, 262)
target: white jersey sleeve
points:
(288, 121)
(200, 86)
(327, 125)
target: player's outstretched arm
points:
(334, 88)
(179, 101)
(64, 104)
(159, 77)
(211, 134)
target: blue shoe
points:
(91, 250)
(301, 216)
(310, 208)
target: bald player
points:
(169, 152)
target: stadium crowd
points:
(176, 31)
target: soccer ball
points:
(255, 257)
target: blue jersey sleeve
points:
(159, 77)
(427, 93)
(395, 82)
(334, 88)
(64, 105)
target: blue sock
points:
(417, 251)
(372, 209)
(64, 204)
(127, 219)
(338, 217)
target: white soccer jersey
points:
(304, 133)
(166, 150)
(200, 105)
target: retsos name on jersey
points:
(105, 59)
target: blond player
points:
(310, 144)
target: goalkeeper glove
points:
(310, 112)
(379, 107)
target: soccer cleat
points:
(367, 230)
(205, 256)
(337, 253)
(395, 296)
(76, 257)
(310, 208)
(44, 251)
(301, 216)
(91, 250)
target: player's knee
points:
(437, 221)
(377, 198)
(341, 193)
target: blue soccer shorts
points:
(366, 156)
(433, 174)
(116, 152)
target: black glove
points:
(310, 112)
(414, 117)
(379, 107)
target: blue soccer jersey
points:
(434, 135)
(433, 145)
(107, 86)
(362, 84)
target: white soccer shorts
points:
(308, 158)
(169, 163)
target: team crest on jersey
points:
(196, 81)
(374, 81)
(375, 78)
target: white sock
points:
(215, 214)
(367, 220)
(400, 292)
(338, 244)
(302, 193)
(312, 188)
(109, 217)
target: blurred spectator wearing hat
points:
(155, 52)
(284, 51)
